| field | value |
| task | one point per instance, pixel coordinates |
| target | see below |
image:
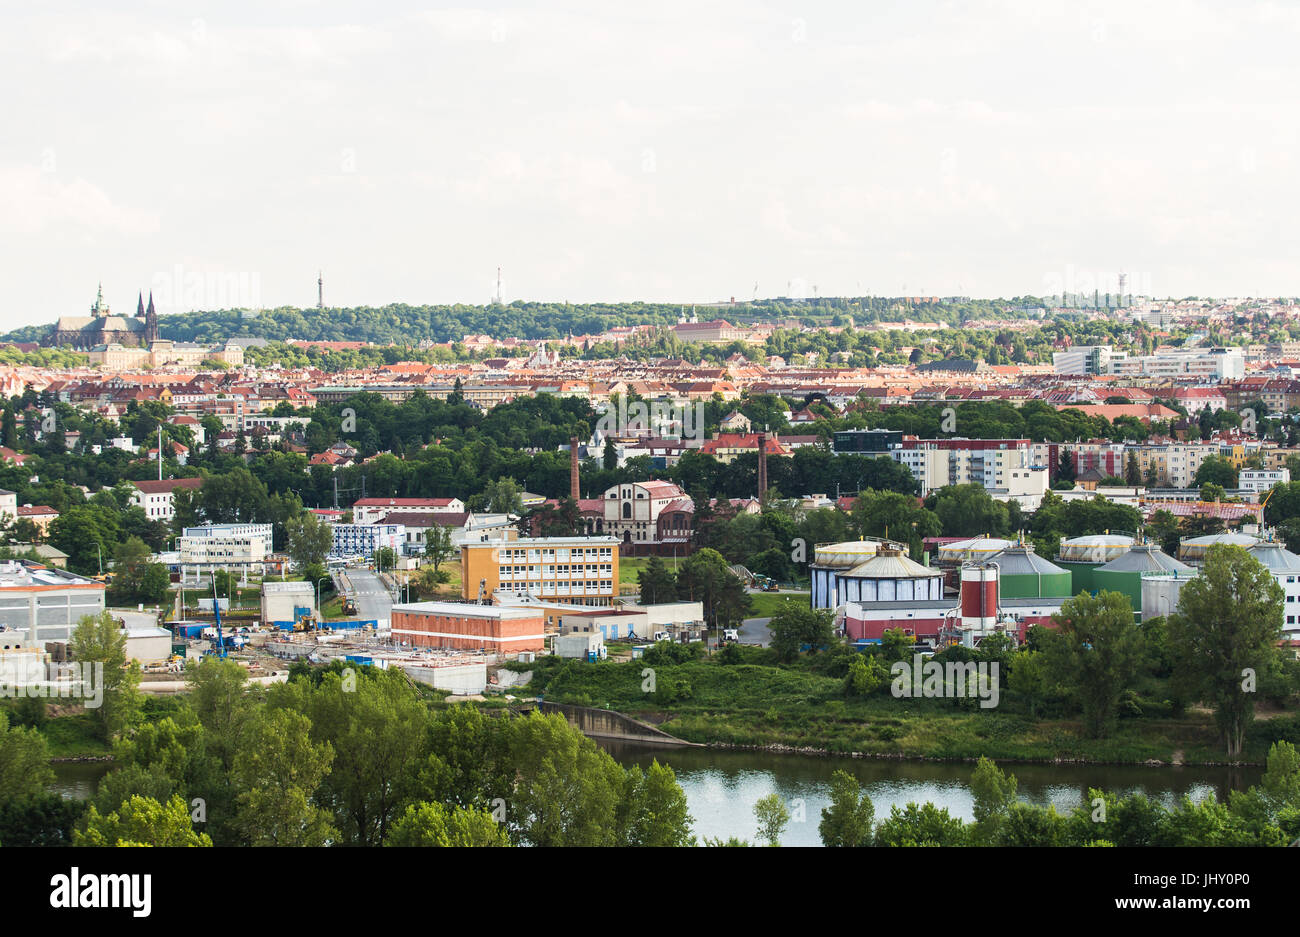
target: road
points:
(755, 631)
(372, 598)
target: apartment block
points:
(574, 570)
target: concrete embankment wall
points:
(604, 724)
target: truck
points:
(730, 634)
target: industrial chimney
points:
(573, 467)
(762, 465)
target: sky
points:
(222, 155)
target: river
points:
(722, 786)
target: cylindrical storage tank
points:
(1124, 574)
(1160, 592)
(1080, 556)
(1023, 574)
(975, 550)
(979, 596)
(889, 577)
(1193, 551)
(830, 559)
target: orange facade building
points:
(575, 570)
(468, 627)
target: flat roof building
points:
(465, 626)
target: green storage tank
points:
(1124, 574)
(1023, 574)
(1082, 555)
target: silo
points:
(1026, 575)
(888, 577)
(1125, 573)
(1193, 550)
(1081, 555)
(974, 550)
(832, 558)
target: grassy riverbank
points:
(756, 704)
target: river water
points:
(722, 786)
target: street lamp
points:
(318, 582)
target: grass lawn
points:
(767, 604)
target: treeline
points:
(403, 323)
(337, 757)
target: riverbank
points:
(754, 707)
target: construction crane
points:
(220, 647)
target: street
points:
(372, 598)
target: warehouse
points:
(458, 625)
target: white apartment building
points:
(1217, 364)
(225, 545)
(1261, 480)
(156, 497)
(1086, 359)
(1007, 468)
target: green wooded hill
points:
(401, 324)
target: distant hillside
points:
(402, 324)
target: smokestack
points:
(762, 465)
(573, 467)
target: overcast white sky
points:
(223, 153)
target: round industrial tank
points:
(1160, 593)
(888, 577)
(1026, 575)
(1193, 550)
(1082, 555)
(974, 550)
(831, 558)
(1125, 573)
(979, 596)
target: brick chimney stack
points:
(762, 465)
(573, 467)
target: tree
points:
(308, 540)
(1229, 620)
(503, 497)
(376, 728)
(772, 817)
(1132, 471)
(135, 578)
(565, 791)
(24, 762)
(1065, 470)
(705, 577)
(968, 511)
(277, 771)
(995, 794)
(848, 819)
(438, 546)
(99, 639)
(1095, 655)
(141, 821)
(657, 582)
(921, 825)
(1216, 470)
(795, 627)
(434, 824)
(654, 809)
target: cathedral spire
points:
(150, 323)
(139, 306)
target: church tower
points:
(139, 306)
(150, 323)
